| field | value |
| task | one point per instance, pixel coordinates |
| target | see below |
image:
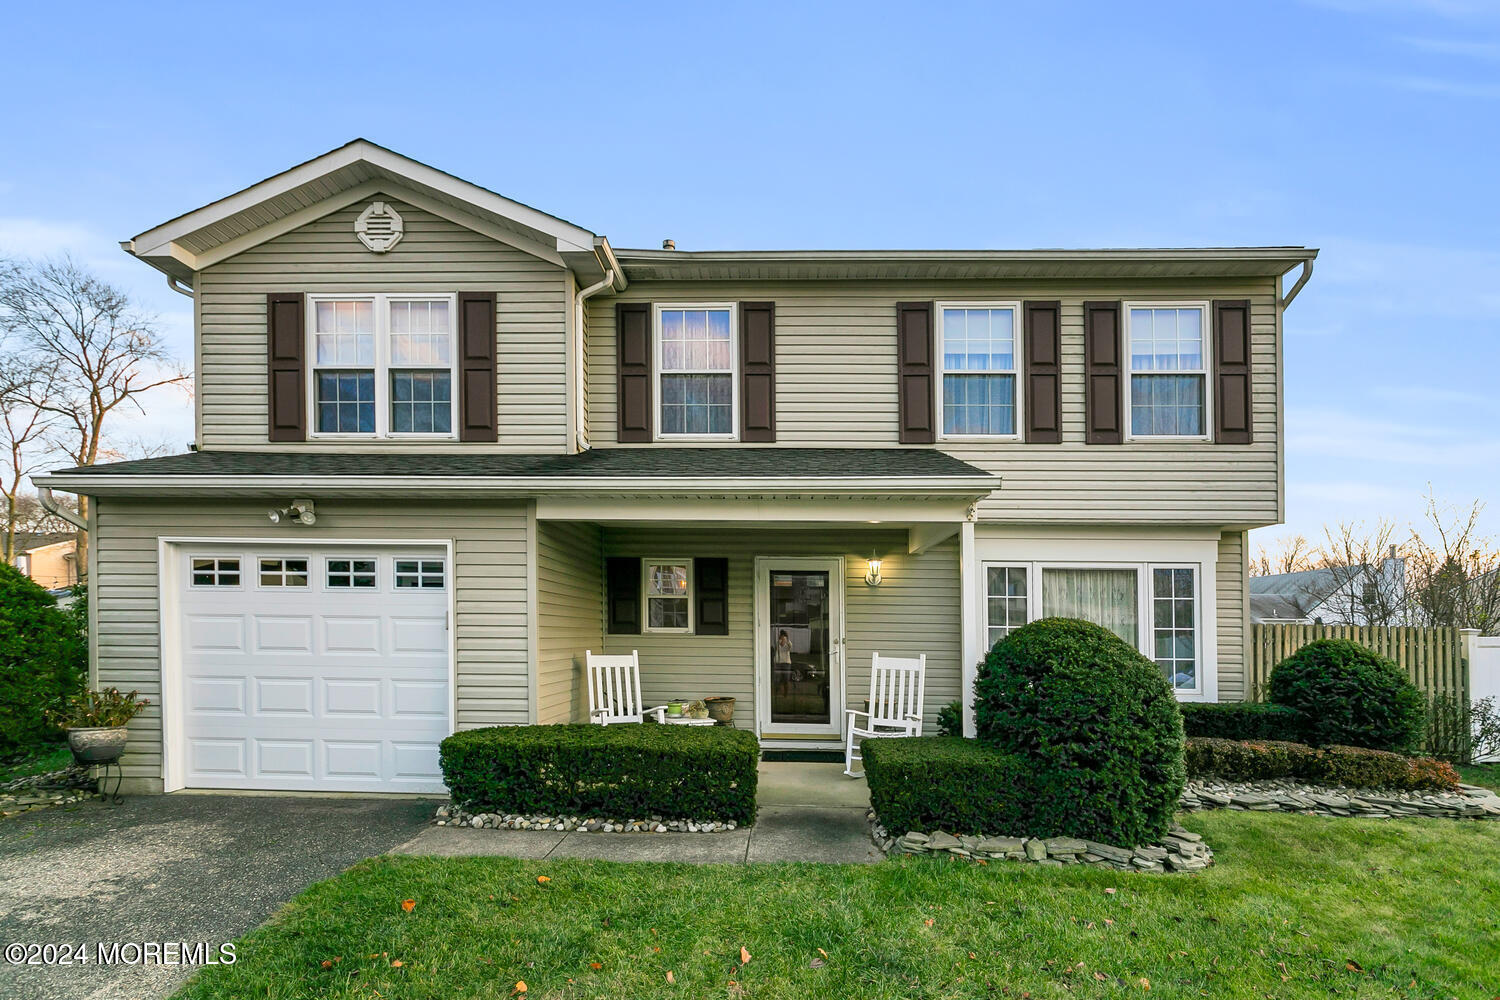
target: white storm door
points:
(799, 645)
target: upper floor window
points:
(979, 359)
(695, 371)
(1168, 387)
(382, 365)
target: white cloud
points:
(1327, 433)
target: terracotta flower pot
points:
(97, 744)
(721, 710)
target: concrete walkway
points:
(808, 812)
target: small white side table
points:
(683, 720)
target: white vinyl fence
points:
(1483, 654)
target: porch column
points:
(969, 621)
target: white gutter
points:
(51, 506)
(1307, 269)
(579, 370)
(533, 485)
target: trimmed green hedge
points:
(619, 772)
(1348, 695)
(43, 658)
(948, 783)
(1352, 767)
(1241, 720)
(1096, 723)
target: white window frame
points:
(657, 309)
(646, 595)
(328, 560)
(380, 307)
(1205, 309)
(284, 572)
(1145, 620)
(942, 369)
(984, 577)
(239, 561)
(420, 575)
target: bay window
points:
(695, 370)
(382, 365)
(1168, 388)
(978, 351)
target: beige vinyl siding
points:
(489, 577)
(1233, 580)
(916, 610)
(435, 255)
(570, 615)
(836, 385)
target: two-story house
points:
(446, 443)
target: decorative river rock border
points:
(452, 815)
(1469, 802)
(46, 791)
(1180, 851)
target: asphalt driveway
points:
(171, 868)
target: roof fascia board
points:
(420, 173)
(965, 486)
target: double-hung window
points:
(980, 358)
(696, 365)
(669, 595)
(1153, 606)
(383, 365)
(1168, 388)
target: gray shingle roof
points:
(699, 463)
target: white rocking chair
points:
(615, 689)
(896, 686)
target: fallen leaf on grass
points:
(408, 905)
(927, 922)
(822, 952)
(596, 966)
(671, 978)
(1145, 984)
(1109, 892)
(520, 986)
(1100, 976)
(1354, 966)
(744, 956)
(542, 880)
(326, 963)
(397, 964)
(816, 963)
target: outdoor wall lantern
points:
(872, 574)
(296, 512)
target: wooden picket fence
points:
(1432, 657)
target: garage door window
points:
(355, 574)
(216, 572)
(283, 572)
(424, 574)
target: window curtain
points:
(1105, 597)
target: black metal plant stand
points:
(114, 798)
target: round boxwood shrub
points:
(1347, 695)
(1097, 723)
(43, 659)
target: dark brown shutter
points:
(479, 419)
(1232, 416)
(757, 374)
(633, 367)
(286, 347)
(914, 366)
(1102, 373)
(1043, 399)
(623, 595)
(711, 597)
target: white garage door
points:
(313, 667)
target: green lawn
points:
(34, 760)
(1296, 907)
(1487, 775)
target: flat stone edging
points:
(452, 815)
(1180, 851)
(46, 791)
(1469, 802)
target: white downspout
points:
(51, 506)
(580, 437)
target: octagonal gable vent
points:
(379, 227)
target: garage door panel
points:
(320, 687)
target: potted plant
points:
(720, 709)
(674, 708)
(95, 724)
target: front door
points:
(799, 645)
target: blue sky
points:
(1368, 128)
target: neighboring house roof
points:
(29, 541)
(1303, 594)
(1273, 607)
(830, 470)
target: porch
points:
(784, 618)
